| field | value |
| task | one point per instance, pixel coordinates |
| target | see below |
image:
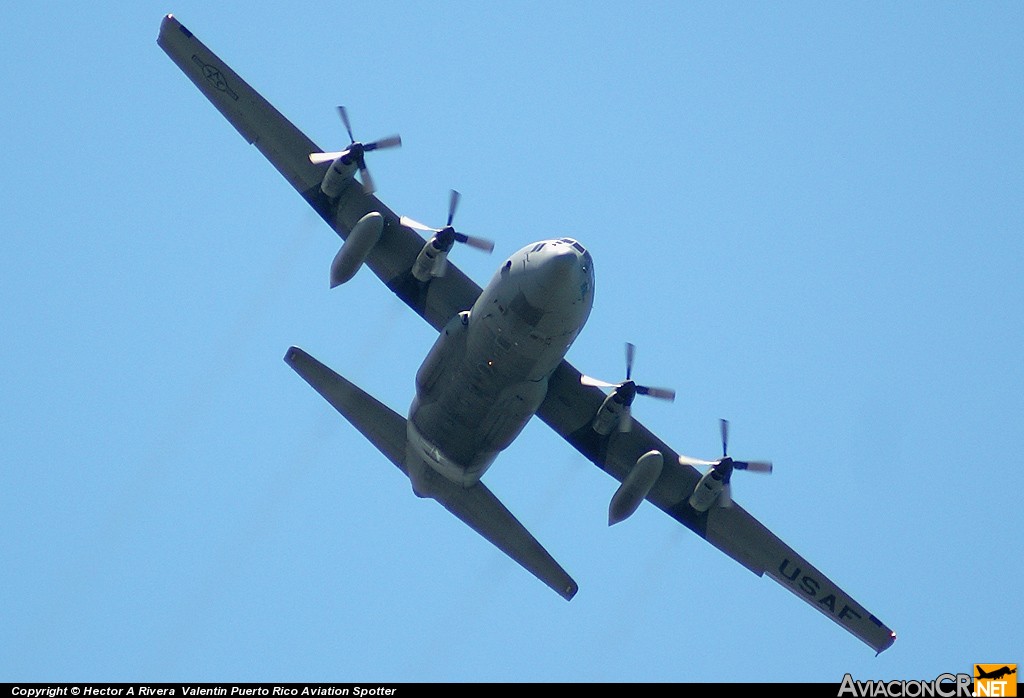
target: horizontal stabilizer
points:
(380, 424)
(476, 506)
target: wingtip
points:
(892, 640)
(171, 22)
(570, 590)
(292, 354)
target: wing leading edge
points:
(569, 406)
(288, 149)
(569, 409)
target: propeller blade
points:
(381, 143)
(660, 393)
(696, 462)
(594, 382)
(630, 355)
(626, 420)
(317, 158)
(368, 185)
(478, 243)
(724, 427)
(754, 466)
(453, 203)
(416, 225)
(348, 127)
(725, 496)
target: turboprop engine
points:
(716, 483)
(432, 261)
(616, 410)
(344, 163)
(356, 247)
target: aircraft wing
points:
(569, 409)
(288, 149)
(569, 406)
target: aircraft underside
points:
(498, 360)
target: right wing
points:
(391, 259)
(288, 149)
(255, 118)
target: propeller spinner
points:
(626, 391)
(355, 152)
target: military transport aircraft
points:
(498, 360)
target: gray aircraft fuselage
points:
(488, 371)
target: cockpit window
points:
(577, 246)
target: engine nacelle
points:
(612, 413)
(635, 487)
(432, 260)
(338, 174)
(356, 247)
(707, 491)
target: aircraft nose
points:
(558, 280)
(563, 264)
(559, 271)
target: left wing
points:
(569, 409)
(569, 406)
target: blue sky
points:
(807, 216)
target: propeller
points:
(627, 390)
(447, 235)
(726, 465)
(356, 151)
